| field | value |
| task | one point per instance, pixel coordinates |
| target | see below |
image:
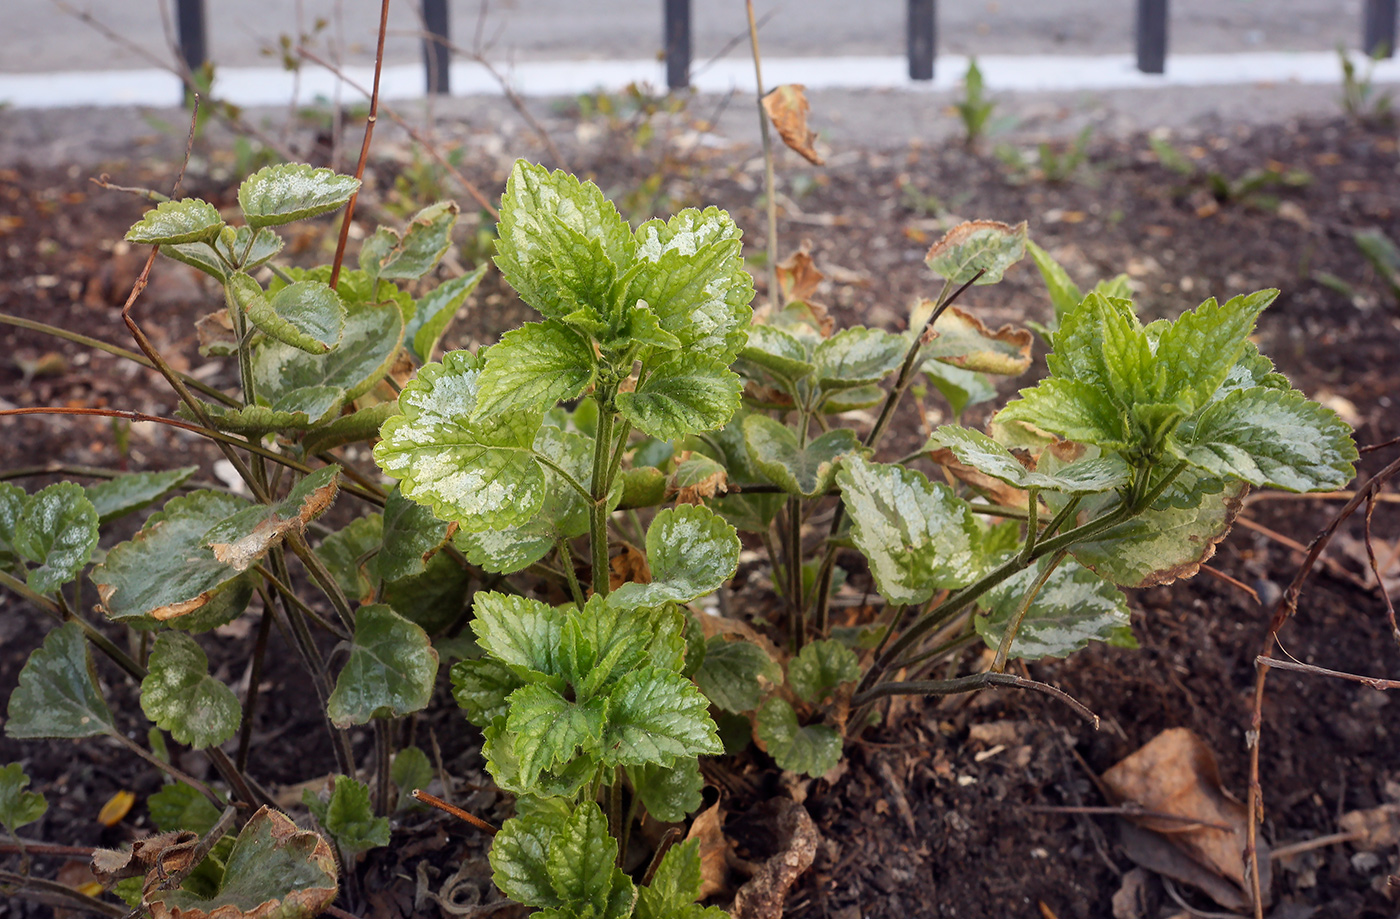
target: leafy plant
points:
(1360, 99)
(1384, 257)
(974, 108)
(1251, 187)
(1048, 164)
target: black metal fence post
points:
(193, 33)
(1378, 27)
(1152, 36)
(677, 38)
(436, 54)
(923, 35)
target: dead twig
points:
(1375, 682)
(421, 795)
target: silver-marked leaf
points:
(1272, 438)
(684, 394)
(166, 570)
(240, 247)
(246, 535)
(180, 696)
(857, 357)
(736, 675)
(424, 242)
(390, 672)
(520, 850)
(820, 667)
(961, 339)
(547, 730)
(56, 529)
(12, 499)
(481, 688)
(1074, 607)
(799, 470)
(1170, 540)
(654, 716)
(307, 315)
(57, 695)
(481, 474)
(127, 494)
(534, 367)
(555, 235)
(580, 860)
(691, 551)
(17, 806)
(280, 194)
(433, 599)
(297, 410)
(977, 245)
(521, 633)
(435, 310)
(917, 535)
(411, 536)
(669, 793)
(813, 750)
(1100, 473)
(366, 352)
(777, 352)
(275, 870)
(188, 220)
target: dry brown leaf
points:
(1006, 352)
(762, 897)
(110, 865)
(798, 275)
(708, 827)
(1374, 828)
(787, 106)
(244, 551)
(628, 566)
(1176, 774)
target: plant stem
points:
(364, 147)
(316, 666)
(566, 560)
(769, 180)
(255, 669)
(615, 810)
(383, 750)
(286, 592)
(1014, 626)
(794, 572)
(167, 768)
(972, 683)
(53, 893)
(324, 580)
(598, 516)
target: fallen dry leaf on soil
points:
(762, 897)
(787, 106)
(1176, 774)
(1374, 828)
(708, 827)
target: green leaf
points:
(12, 500)
(813, 750)
(342, 551)
(367, 349)
(280, 194)
(349, 818)
(57, 695)
(498, 749)
(129, 493)
(977, 245)
(481, 688)
(654, 716)
(581, 857)
(296, 410)
(187, 220)
(1072, 409)
(435, 311)
(548, 730)
(820, 667)
(669, 793)
(857, 357)
(1382, 255)
(675, 886)
(778, 352)
(520, 851)
(960, 339)
(390, 672)
(410, 770)
(180, 696)
(245, 536)
(684, 394)
(736, 675)
(691, 551)
(180, 807)
(1073, 608)
(1170, 540)
(411, 535)
(1196, 353)
(690, 272)
(423, 244)
(559, 241)
(274, 868)
(601, 642)
(307, 315)
(434, 599)
(199, 255)
(1272, 438)
(481, 474)
(807, 471)
(534, 367)
(521, 633)
(1080, 347)
(917, 535)
(240, 247)
(1064, 294)
(17, 806)
(57, 529)
(1101, 473)
(360, 425)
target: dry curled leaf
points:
(708, 827)
(216, 335)
(1175, 774)
(242, 552)
(762, 897)
(787, 106)
(798, 275)
(628, 566)
(163, 850)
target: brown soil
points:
(934, 815)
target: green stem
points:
(1014, 626)
(971, 683)
(316, 666)
(598, 516)
(167, 768)
(255, 669)
(770, 181)
(383, 748)
(324, 580)
(566, 560)
(799, 619)
(47, 892)
(615, 810)
(563, 474)
(1032, 523)
(285, 591)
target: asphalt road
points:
(40, 37)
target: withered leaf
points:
(628, 566)
(787, 106)
(242, 539)
(798, 275)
